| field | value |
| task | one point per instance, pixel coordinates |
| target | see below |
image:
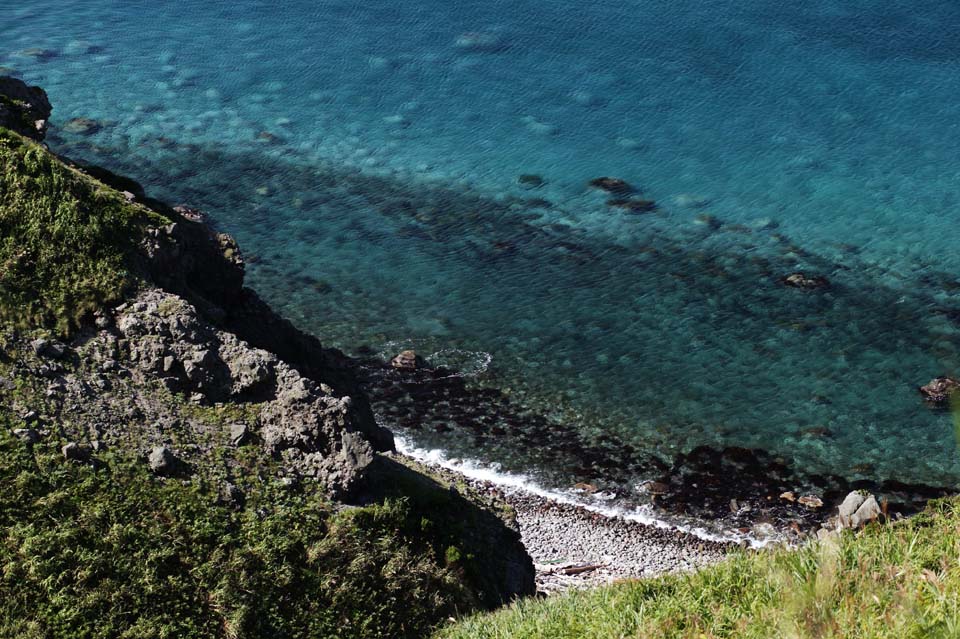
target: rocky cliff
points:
(128, 337)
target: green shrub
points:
(113, 552)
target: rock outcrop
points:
(162, 337)
(23, 108)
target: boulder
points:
(803, 281)
(75, 452)
(162, 461)
(849, 507)
(810, 501)
(938, 391)
(239, 434)
(868, 511)
(24, 109)
(857, 510)
(408, 361)
(26, 435)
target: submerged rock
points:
(612, 185)
(82, 126)
(939, 391)
(479, 42)
(634, 206)
(803, 281)
(530, 181)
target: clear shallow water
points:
(368, 157)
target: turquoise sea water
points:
(367, 156)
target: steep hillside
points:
(178, 460)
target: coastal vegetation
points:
(895, 581)
(96, 542)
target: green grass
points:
(66, 240)
(113, 552)
(898, 581)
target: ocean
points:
(417, 175)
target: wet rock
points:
(810, 501)
(530, 181)
(711, 222)
(162, 461)
(634, 206)
(803, 281)
(82, 126)
(408, 361)
(81, 47)
(611, 185)
(939, 391)
(23, 108)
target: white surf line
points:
(487, 473)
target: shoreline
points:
(574, 546)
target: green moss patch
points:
(66, 241)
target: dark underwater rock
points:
(634, 206)
(24, 109)
(612, 185)
(530, 181)
(82, 126)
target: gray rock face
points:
(849, 506)
(868, 511)
(314, 432)
(857, 510)
(23, 108)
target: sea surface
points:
(415, 175)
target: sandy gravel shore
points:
(575, 547)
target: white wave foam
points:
(492, 473)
